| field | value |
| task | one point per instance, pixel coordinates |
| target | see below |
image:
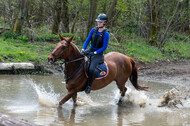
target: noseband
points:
(60, 55)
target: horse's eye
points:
(64, 46)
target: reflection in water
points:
(45, 116)
(20, 94)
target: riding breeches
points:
(94, 61)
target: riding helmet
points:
(102, 17)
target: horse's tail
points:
(134, 76)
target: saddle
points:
(101, 70)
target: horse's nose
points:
(50, 60)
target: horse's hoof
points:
(59, 105)
(120, 102)
(75, 104)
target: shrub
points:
(1, 59)
(53, 37)
(177, 50)
(11, 35)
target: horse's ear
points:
(70, 39)
(61, 37)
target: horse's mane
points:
(76, 49)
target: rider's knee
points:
(91, 70)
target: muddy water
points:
(20, 97)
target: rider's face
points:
(100, 23)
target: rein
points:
(75, 72)
(74, 60)
(67, 62)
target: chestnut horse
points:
(120, 67)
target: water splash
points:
(83, 99)
(46, 98)
(50, 98)
(135, 97)
(132, 96)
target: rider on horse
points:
(99, 37)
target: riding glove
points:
(91, 53)
(82, 52)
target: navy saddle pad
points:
(101, 70)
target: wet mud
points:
(176, 73)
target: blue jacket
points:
(105, 41)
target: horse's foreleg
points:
(67, 97)
(74, 97)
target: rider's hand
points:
(91, 53)
(82, 52)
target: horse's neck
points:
(71, 67)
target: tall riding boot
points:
(89, 83)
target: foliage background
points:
(147, 30)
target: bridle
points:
(60, 55)
(67, 62)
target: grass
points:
(177, 50)
(139, 51)
(19, 51)
(16, 48)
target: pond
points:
(22, 96)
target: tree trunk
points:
(40, 13)
(92, 15)
(110, 11)
(65, 16)
(22, 15)
(154, 22)
(74, 21)
(188, 16)
(162, 42)
(56, 17)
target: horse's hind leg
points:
(122, 88)
(122, 91)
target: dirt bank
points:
(176, 73)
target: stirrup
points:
(88, 90)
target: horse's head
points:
(61, 50)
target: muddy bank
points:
(177, 73)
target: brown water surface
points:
(19, 95)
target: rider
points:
(99, 37)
